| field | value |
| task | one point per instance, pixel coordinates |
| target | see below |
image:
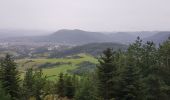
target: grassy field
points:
(52, 72)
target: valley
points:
(66, 50)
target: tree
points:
(39, 84)
(10, 77)
(34, 84)
(65, 86)
(69, 89)
(86, 90)
(28, 84)
(164, 64)
(134, 54)
(3, 95)
(106, 72)
(60, 86)
(129, 84)
(151, 73)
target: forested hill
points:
(92, 49)
(77, 37)
(158, 38)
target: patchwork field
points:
(52, 67)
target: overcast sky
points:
(91, 15)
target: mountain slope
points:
(122, 37)
(158, 38)
(92, 49)
(77, 37)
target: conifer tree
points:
(3, 95)
(69, 88)
(10, 77)
(129, 84)
(60, 86)
(33, 84)
(28, 84)
(86, 90)
(164, 64)
(106, 71)
(39, 84)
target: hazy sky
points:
(91, 15)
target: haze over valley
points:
(84, 50)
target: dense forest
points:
(142, 72)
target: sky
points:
(90, 15)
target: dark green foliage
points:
(141, 73)
(65, 86)
(164, 57)
(60, 86)
(40, 82)
(3, 95)
(34, 84)
(106, 71)
(28, 83)
(69, 87)
(86, 90)
(10, 77)
(129, 84)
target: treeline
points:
(142, 72)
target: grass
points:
(52, 73)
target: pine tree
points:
(69, 88)
(86, 90)
(164, 57)
(10, 77)
(28, 84)
(164, 64)
(129, 84)
(34, 84)
(3, 95)
(151, 72)
(60, 86)
(106, 71)
(39, 83)
(134, 54)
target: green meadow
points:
(68, 63)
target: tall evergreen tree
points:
(164, 64)
(69, 88)
(3, 95)
(151, 72)
(86, 90)
(129, 84)
(33, 84)
(60, 86)
(10, 77)
(39, 84)
(106, 71)
(28, 84)
(134, 54)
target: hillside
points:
(77, 37)
(159, 37)
(92, 49)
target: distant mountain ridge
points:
(77, 37)
(80, 37)
(159, 38)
